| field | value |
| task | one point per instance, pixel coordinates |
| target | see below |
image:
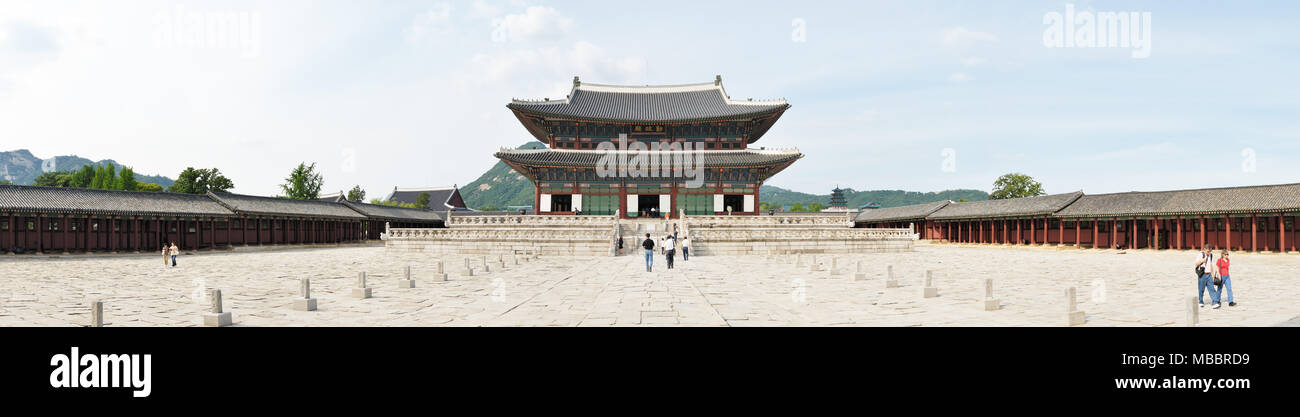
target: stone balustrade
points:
(840, 221)
(514, 221)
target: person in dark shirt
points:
(649, 245)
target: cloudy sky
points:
(911, 95)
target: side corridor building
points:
(1254, 218)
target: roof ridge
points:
(46, 187)
(1199, 189)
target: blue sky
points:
(413, 93)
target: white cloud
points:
(481, 10)
(973, 61)
(430, 25)
(959, 77)
(556, 65)
(1163, 148)
(960, 37)
(536, 22)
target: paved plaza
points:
(1141, 288)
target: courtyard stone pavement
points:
(1137, 288)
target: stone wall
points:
(599, 235)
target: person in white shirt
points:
(670, 245)
(686, 248)
(173, 251)
(1206, 274)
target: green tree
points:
(6, 182)
(1015, 185)
(200, 181)
(126, 180)
(377, 201)
(797, 207)
(422, 200)
(816, 207)
(150, 187)
(82, 178)
(303, 183)
(356, 194)
(53, 179)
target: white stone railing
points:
(716, 235)
(498, 234)
(702, 222)
(603, 222)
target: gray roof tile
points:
(382, 212)
(682, 103)
(284, 206)
(90, 201)
(589, 158)
(1262, 198)
(1013, 207)
(893, 214)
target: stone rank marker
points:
(361, 291)
(890, 281)
(929, 290)
(835, 266)
(486, 268)
(97, 314)
(217, 318)
(859, 274)
(1073, 317)
(304, 302)
(469, 271)
(990, 303)
(407, 282)
(1193, 312)
(439, 275)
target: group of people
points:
(667, 247)
(171, 252)
(1212, 274)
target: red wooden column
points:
(1033, 232)
(1202, 231)
(1156, 244)
(1254, 233)
(1133, 235)
(1019, 231)
(1180, 232)
(980, 239)
(64, 225)
(1078, 234)
(257, 233)
(1281, 235)
(39, 232)
(1227, 230)
(1114, 231)
(1060, 233)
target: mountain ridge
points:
(501, 187)
(21, 166)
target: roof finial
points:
(717, 80)
(576, 82)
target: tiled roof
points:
(439, 197)
(382, 212)
(1013, 207)
(284, 206)
(677, 103)
(913, 212)
(589, 158)
(91, 201)
(1263, 198)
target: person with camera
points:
(1207, 276)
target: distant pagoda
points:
(837, 199)
(838, 202)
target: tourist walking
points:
(165, 252)
(686, 248)
(661, 247)
(649, 246)
(1225, 281)
(671, 247)
(173, 251)
(1205, 272)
